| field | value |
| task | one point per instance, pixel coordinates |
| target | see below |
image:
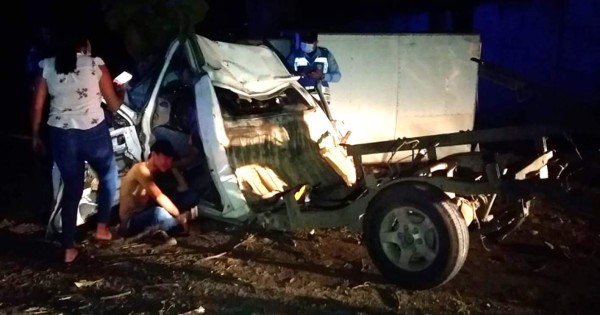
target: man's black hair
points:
(309, 37)
(164, 147)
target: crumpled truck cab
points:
(258, 121)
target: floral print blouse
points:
(75, 98)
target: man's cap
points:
(164, 147)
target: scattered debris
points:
(364, 285)
(132, 245)
(36, 310)
(199, 310)
(462, 307)
(549, 245)
(116, 296)
(245, 241)
(85, 306)
(86, 283)
(534, 232)
(266, 241)
(214, 256)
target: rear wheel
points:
(415, 236)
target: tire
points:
(435, 248)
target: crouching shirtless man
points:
(144, 207)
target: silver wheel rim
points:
(409, 238)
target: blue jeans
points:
(157, 216)
(71, 148)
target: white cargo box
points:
(403, 85)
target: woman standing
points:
(78, 132)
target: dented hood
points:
(245, 69)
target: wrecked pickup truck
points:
(272, 157)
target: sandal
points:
(75, 257)
(106, 237)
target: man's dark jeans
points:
(71, 148)
(156, 216)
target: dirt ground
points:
(551, 265)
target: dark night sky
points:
(225, 17)
(521, 27)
